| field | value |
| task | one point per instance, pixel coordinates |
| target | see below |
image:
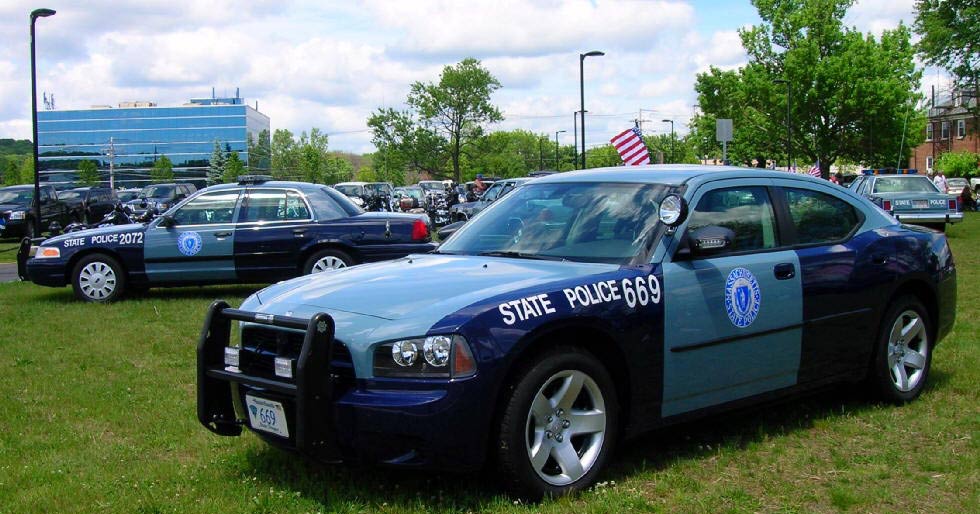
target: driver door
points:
(734, 318)
(199, 246)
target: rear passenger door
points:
(733, 319)
(839, 275)
(273, 227)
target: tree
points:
(284, 156)
(405, 142)
(26, 171)
(88, 173)
(853, 96)
(234, 167)
(958, 164)
(950, 37)
(216, 165)
(259, 152)
(458, 105)
(162, 170)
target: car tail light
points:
(420, 230)
(886, 205)
(952, 204)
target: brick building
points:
(951, 128)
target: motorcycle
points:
(379, 202)
(119, 215)
(437, 207)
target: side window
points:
(264, 205)
(209, 208)
(746, 211)
(296, 208)
(491, 193)
(820, 217)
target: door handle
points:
(879, 258)
(299, 231)
(784, 271)
(222, 234)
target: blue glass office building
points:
(136, 134)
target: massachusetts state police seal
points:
(189, 243)
(742, 297)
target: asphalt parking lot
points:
(8, 272)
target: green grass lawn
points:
(97, 413)
(8, 250)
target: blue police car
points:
(585, 308)
(253, 231)
(910, 197)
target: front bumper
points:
(13, 228)
(331, 416)
(934, 217)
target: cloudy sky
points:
(329, 64)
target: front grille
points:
(261, 345)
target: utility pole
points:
(557, 167)
(111, 154)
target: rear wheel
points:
(98, 278)
(328, 259)
(559, 424)
(904, 352)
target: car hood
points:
(428, 286)
(115, 229)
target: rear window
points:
(904, 185)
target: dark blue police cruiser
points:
(253, 231)
(584, 308)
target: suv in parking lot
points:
(17, 214)
(160, 197)
(89, 204)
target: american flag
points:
(815, 170)
(631, 147)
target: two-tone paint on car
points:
(909, 196)
(543, 351)
(253, 232)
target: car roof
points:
(285, 184)
(349, 183)
(23, 186)
(670, 174)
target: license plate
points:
(266, 415)
(920, 204)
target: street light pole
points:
(35, 14)
(557, 167)
(581, 88)
(671, 138)
(789, 129)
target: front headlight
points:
(442, 356)
(17, 215)
(47, 252)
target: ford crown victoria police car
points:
(254, 231)
(585, 307)
(910, 197)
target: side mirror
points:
(167, 221)
(710, 240)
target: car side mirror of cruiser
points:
(167, 221)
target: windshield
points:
(69, 195)
(412, 192)
(432, 185)
(17, 196)
(157, 192)
(586, 222)
(125, 196)
(904, 185)
(350, 190)
(376, 188)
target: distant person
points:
(836, 178)
(940, 181)
(966, 199)
(478, 184)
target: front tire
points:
(559, 424)
(904, 351)
(98, 278)
(328, 259)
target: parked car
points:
(581, 309)
(465, 211)
(89, 204)
(125, 195)
(160, 197)
(256, 231)
(910, 197)
(17, 210)
(955, 185)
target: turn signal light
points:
(420, 230)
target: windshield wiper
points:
(521, 255)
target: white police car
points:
(581, 309)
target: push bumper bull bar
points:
(311, 392)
